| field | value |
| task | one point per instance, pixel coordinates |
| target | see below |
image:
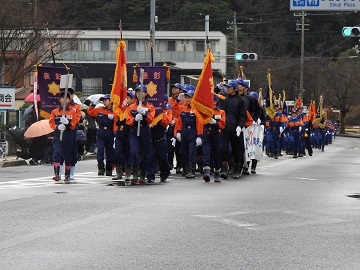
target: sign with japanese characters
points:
(7, 98)
(49, 88)
(325, 5)
(155, 81)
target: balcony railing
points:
(136, 56)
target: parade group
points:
(139, 149)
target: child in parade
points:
(63, 143)
(188, 131)
(158, 150)
(139, 115)
(122, 144)
(105, 134)
(211, 142)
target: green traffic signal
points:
(351, 31)
(346, 31)
(245, 56)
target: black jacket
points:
(235, 112)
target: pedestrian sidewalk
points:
(11, 161)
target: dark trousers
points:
(105, 142)
(158, 151)
(90, 140)
(139, 147)
(122, 149)
(188, 146)
(236, 146)
(62, 150)
(211, 146)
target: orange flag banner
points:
(203, 100)
(298, 102)
(312, 111)
(119, 87)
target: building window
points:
(96, 45)
(199, 46)
(105, 45)
(132, 45)
(91, 86)
(171, 46)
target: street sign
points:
(325, 5)
(7, 98)
(289, 102)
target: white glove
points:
(258, 121)
(61, 127)
(173, 142)
(198, 141)
(63, 120)
(178, 137)
(212, 121)
(96, 102)
(111, 116)
(141, 110)
(281, 129)
(238, 131)
(173, 122)
(300, 128)
(138, 117)
(181, 96)
(253, 123)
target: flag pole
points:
(64, 101)
(140, 98)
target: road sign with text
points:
(325, 5)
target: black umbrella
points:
(27, 111)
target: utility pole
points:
(235, 44)
(152, 31)
(301, 88)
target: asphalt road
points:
(293, 214)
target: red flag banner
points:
(119, 87)
(203, 101)
(298, 102)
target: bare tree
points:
(24, 38)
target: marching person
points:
(62, 147)
(211, 142)
(105, 135)
(139, 115)
(176, 90)
(188, 131)
(236, 115)
(294, 126)
(122, 144)
(76, 107)
(158, 148)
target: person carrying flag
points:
(211, 142)
(122, 144)
(188, 131)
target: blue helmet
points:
(106, 96)
(190, 93)
(232, 83)
(190, 87)
(180, 86)
(254, 95)
(166, 97)
(242, 82)
(143, 88)
(131, 94)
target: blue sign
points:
(325, 5)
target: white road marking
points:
(305, 178)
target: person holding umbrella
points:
(62, 149)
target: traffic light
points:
(245, 56)
(350, 31)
